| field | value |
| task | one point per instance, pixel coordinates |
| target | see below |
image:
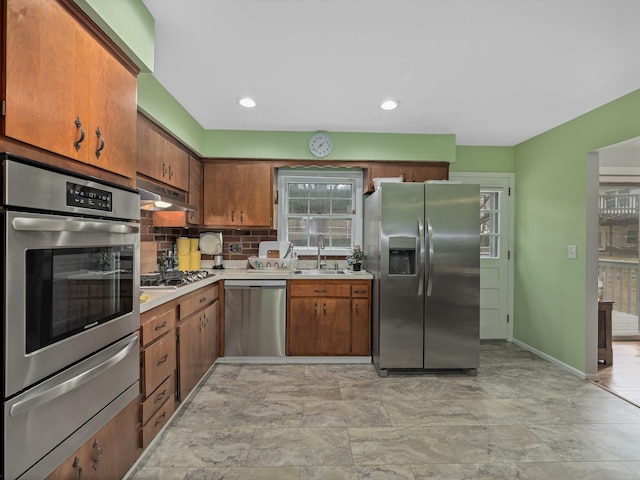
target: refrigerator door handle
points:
(431, 257)
(421, 258)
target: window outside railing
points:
(620, 284)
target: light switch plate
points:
(573, 252)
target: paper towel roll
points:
(194, 244)
(184, 262)
(194, 261)
(184, 245)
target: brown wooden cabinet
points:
(158, 365)
(196, 182)
(107, 455)
(65, 92)
(409, 171)
(330, 317)
(605, 347)
(238, 194)
(198, 337)
(184, 219)
(159, 157)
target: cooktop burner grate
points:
(171, 279)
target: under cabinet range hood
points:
(156, 198)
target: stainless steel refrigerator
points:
(422, 244)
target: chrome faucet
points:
(320, 245)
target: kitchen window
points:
(314, 202)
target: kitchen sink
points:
(319, 272)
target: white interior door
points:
(496, 205)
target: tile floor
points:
(521, 417)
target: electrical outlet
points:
(235, 247)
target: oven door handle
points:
(40, 398)
(70, 225)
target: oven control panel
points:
(88, 197)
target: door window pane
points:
(490, 223)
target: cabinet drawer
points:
(157, 421)
(157, 324)
(299, 289)
(198, 299)
(159, 361)
(360, 291)
(157, 398)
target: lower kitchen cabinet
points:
(330, 317)
(198, 334)
(109, 454)
(158, 362)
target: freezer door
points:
(452, 283)
(401, 299)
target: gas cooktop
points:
(175, 279)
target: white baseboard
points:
(555, 361)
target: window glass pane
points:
(320, 206)
(341, 206)
(298, 190)
(343, 190)
(298, 205)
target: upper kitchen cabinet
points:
(238, 194)
(185, 219)
(159, 157)
(409, 171)
(68, 90)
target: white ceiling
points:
(492, 72)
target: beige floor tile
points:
(577, 470)
(358, 472)
(345, 413)
(430, 413)
(482, 471)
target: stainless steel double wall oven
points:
(70, 350)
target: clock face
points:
(320, 145)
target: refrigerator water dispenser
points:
(402, 255)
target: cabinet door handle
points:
(241, 216)
(161, 326)
(164, 169)
(170, 172)
(81, 139)
(160, 396)
(315, 309)
(101, 139)
(359, 291)
(160, 420)
(232, 215)
(163, 359)
(322, 290)
(324, 306)
(357, 309)
(76, 465)
(203, 299)
(96, 445)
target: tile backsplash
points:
(249, 239)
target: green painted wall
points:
(549, 289)
(129, 24)
(346, 146)
(483, 159)
(157, 103)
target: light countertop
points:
(158, 296)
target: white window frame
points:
(318, 175)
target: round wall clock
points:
(320, 145)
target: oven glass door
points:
(72, 288)
(75, 289)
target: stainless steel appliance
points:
(175, 279)
(254, 318)
(70, 256)
(422, 244)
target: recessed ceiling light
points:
(247, 102)
(389, 105)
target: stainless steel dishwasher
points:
(254, 318)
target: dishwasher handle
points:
(254, 284)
